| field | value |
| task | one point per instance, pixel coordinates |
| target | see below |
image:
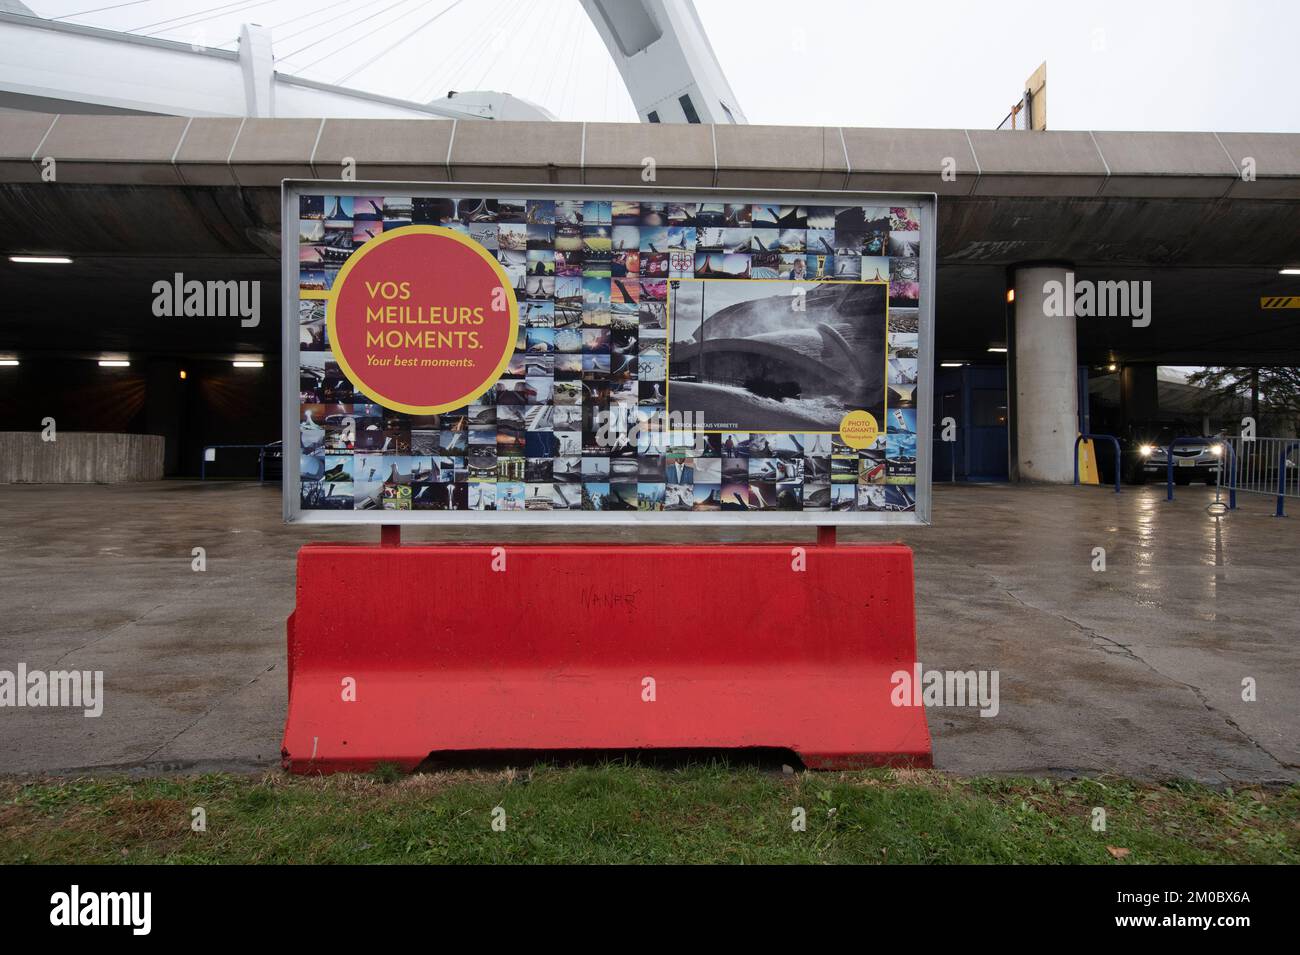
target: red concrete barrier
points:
(470, 647)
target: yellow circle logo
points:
(422, 319)
(858, 429)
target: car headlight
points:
(1217, 450)
(1145, 450)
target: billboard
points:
(467, 353)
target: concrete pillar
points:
(1138, 393)
(257, 66)
(163, 408)
(1046, 378)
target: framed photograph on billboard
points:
(475, 353)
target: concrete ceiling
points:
(140, 198)
(1200, 316)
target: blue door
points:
(975, 397)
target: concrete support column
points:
(1138, 394)
(1046, 379)
(257, 66)
(163, 408)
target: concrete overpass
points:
(137, 198)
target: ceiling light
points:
(40, 259)
(998, 349)
(247, 363)
(8, 362)
(951, 364)
(1288, 272)
(1011, 295)
(113, 363)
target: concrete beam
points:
(21, 137)
(136, 150)
(384, 149)
(1114, 199)
(1165, 164)
(1274, 158)
(203, 153)
(517, 152)
(784, 157)
(616, 154)
(1037, 164)
(267, 151)
(882, 159)
(988, 164)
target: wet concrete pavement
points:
(1135, 670)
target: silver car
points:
(1197, 459)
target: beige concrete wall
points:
(79, 458)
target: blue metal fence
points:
(261, 458)
(1232, 467)
(1264, 466)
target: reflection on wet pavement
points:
(1136, 669)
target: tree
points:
(1269, 392)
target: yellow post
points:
(1088, 463)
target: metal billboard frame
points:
(293, 511)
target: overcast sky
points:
(1135, 64)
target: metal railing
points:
(261, 458)
(1268, 466)
(1232, 466)
(1013, 119)
(1119, 460)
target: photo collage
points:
(601, 285)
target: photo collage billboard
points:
(521, 354)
